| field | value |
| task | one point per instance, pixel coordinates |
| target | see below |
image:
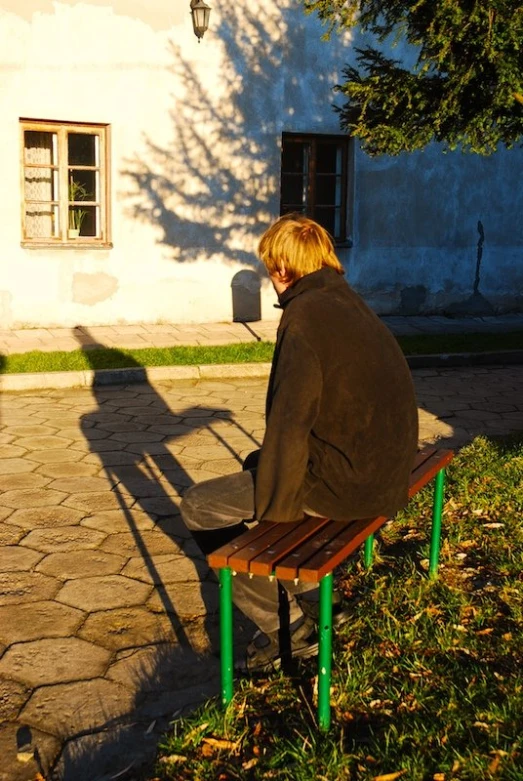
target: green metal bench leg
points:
(368, 550)
(439, 489)
(325, 653)
(226, 644)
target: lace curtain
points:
(41, 184)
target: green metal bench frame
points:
(309, 550)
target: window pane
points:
(41, 221)
(82, 185)
(40, 147)
(328, 158)
(293, 189)
(294, 157)
(330, 219)
(328, 190)
(85, 220)
(41, 184)
(82, 149)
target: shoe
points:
(340, 614)
(263, 652)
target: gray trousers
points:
(215, 511)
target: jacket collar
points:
(323, 278)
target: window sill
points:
(66, 245)
(347, 244)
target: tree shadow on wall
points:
(217, 179)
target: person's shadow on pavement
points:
(133, 434)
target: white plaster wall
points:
(195, 167)
(195, 134)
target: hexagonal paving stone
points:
(36, 620)
(81, 564)
(42, 443)
(114, 521)
(23, 480)
(104, 593)
(185, 601)
(53, 660)
(16, 559)
(11, 451)
(137, 436)
(84, 706)
(65, 538)
(154, 542)
(41, 517)
(13, 466)
(127, 628)
(54, 456)
(12, 697)
(165, 569)
(37, 497)
(5, 512)
(96, 501)
(73, 485)
(16, 588)
(111, 458)
(71, 469)
(31, 430)
(162, 666)
(13, 768)
(11, 535)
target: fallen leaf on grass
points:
(438, 777)
(485, 631)
(194, 732)
(389, 776)
(250, 764)
(217, 743)
(256, 731)
(172, 758)
(492, 525)
(494, 765)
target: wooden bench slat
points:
(427, 463)
(265, 563)
(423, 474)
(220, 557)
(348, 540)
(241, 560)
(289, 568)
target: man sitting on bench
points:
(341, 427)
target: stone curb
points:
(152, 374)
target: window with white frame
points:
(314, 180)
(65, 183)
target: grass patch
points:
(460, 343)
(113, 358)
(251, 352)
(428, 675)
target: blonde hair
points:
(299, 245)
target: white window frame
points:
(61, 173)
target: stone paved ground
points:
(107, 610)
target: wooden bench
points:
(309, 550)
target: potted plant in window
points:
(77, 192)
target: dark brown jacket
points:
(342, 421)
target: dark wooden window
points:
(314, 172)
(65, 187)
